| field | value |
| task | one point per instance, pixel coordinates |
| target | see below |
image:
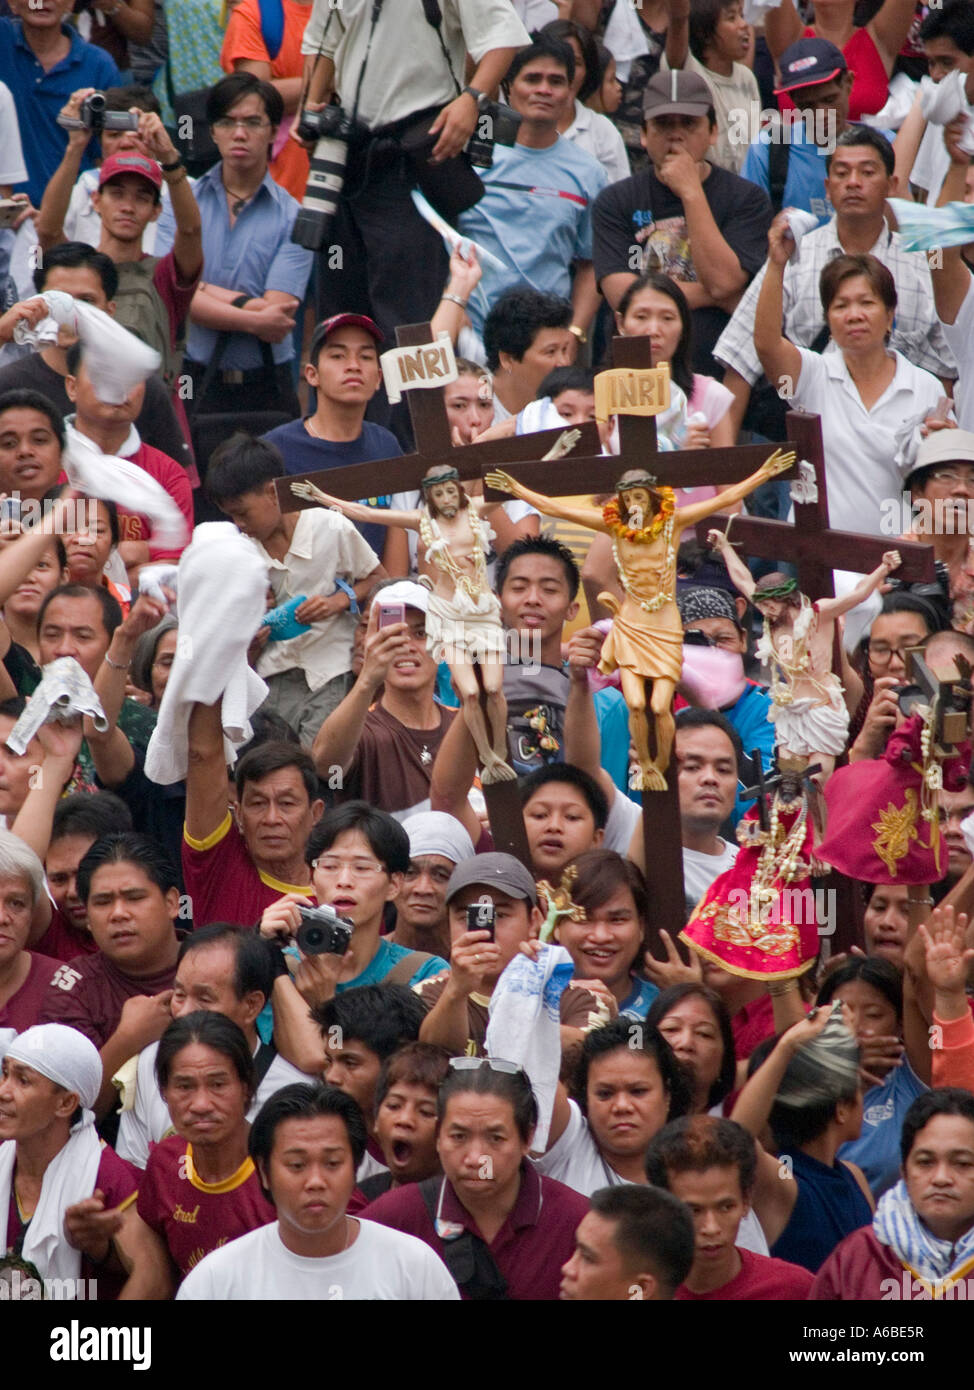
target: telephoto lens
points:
(326, 177)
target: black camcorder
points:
(323, 932)
(93, 116)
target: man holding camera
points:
(536, 214)
(43, 60)
(399, 71)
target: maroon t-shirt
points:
(117, 1182)
(529, 1249)
(88, 994)
(224, 884)
(760, 1277)
(861, 1269)
(194, 1217)
(62, 941)
(23, 1009)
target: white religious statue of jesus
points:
(808, 710)
(463, 620)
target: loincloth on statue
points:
(807, 726)
(655, 653)
(463, 625)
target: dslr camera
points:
(503, 123)
(323, 932)
(331, 130)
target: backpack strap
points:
(779, 152)
(272, 25)
(405, 968)
(468, 1258)
(263, 1059)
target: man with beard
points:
(809, 714)
(463, 616)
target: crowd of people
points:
(278, 1020)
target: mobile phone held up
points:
(322, 932)
(391, 613)
(480, 916)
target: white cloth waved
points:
(942, 102)
(799, 222)
(899, 102)
(70, 1177)
(115, 359)
(222, 589)
(525, 1024)
(153, 578)
(65, 690)
(125, 483)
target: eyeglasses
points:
(882, 653)
(358, 868)
(494, 1063)
(952, 475)
(227, 123)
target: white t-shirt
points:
(861, 445)
(621, 826)
(575, 1160)
(700, 870)
(149, 1120)
(592, 131)
(960, 336)
(380, 1264)
(12, 167)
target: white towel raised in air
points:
(222, 598)
(525, 1024)
(126, 484)
(115, 359)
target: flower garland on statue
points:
(662, 518)
(438, 553)
(661, 525)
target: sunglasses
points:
(495, 1064)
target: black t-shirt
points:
(156, 422)
(640, 212)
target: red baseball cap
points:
(118, 164)
(339, 321)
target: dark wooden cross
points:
(765, 787)
(809, 541)
(434, 445)
(816, 549)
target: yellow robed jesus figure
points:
(646, 640)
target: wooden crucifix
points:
(469, 635)
(816, 550)
(648, 693)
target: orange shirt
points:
(244, 41)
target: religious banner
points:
(425, 367)
(632, 391)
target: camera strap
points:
(434, 17)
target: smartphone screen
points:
(480, 916)
(391, 613)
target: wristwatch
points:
(579, 333)
(481, 98)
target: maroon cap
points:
(117, 164)
(339, 321)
